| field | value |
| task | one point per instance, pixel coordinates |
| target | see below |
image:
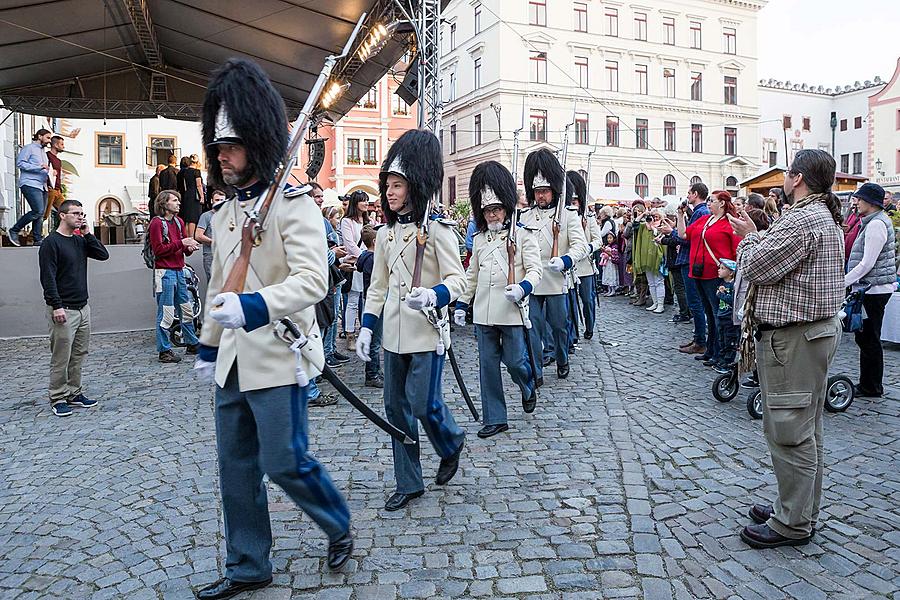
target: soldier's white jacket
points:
(572, 245)
(406, 330)
(288, 275)
(586, 266)
(487, 276)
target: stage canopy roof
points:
(142, 58)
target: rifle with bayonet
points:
(511, 280)
(568, 274)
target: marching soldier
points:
(586, 268)
(415, 334)
(260, 410)
(500, 309)
(544, 182)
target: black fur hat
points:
(415, 156)
(256, 118)
(493, 175)
(577, 188)
(543, 163)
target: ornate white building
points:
(659, 94)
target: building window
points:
(537, 13)
(843, 125)
(612, 76)
(477, 130)
(451, 191)
(640, 26)
(845, 163)
(696, 179)
(641, 130)
(642, 185)
(669, 80)
(452, 86)
(731, 182)
(696, 85)
(370, 153)
(857, 123)
(773, 158)
(400, 108)
(477, 73)
(857, 163)
(538, 67)
(730, 90)
(729, 35)
(612, 131)
(806, 123)
(669, 135)
(582, 135)
(696, 138)
(612, 22)
(370, 100)
(353, 151)
(731, 141)
(537, 125)
(477, 19)
(581, 17)
(612, 179)
(640, 75)
(696, 34)
(452, 36)
(898, 119)
(110, 150)
(669, 31)
(786, 121)
(159, 149)
(669, 185)
(453, 139)
(581, 71)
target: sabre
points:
(510, 280)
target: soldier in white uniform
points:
(260, 410)
(586, 268)
(544, 188)
(414, 345)
(499, 320)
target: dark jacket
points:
(684, 251)
(168, 179)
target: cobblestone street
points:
(629, 481)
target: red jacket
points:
(721, 240)
(168, 255)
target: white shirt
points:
(874, 241)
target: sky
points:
(829, 42)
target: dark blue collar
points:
(407, 218)
(251, 192)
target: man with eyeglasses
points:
(63, 261)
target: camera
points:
(697, 270)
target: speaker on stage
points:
(409, 87)
(316, 157)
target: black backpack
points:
(147, 251)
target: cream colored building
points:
(660, 93)
(884, 134)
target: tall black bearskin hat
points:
(491, 184)
(416, 157)
(577, 188)
(542, 169)
(243, 107)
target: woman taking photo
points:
(351, 232)
(712, 240)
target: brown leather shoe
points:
(687, 345)
(693, 349)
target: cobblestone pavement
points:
(629, 481)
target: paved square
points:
(629, 481)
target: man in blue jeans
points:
(34, 169)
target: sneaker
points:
(82, 401)
(375, 382)
(660, 308)
(341, 358)
(192, 349)
(13, 238)
(723, 369)
(323, 400)
(332, 363)
(750, 382)
(61, 409)
(169, 357)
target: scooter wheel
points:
(725, 387)
(754, 405)
(839, 395)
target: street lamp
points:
(878, 165)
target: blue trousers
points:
(549, 319)
(329, 335)
(707, 289)
(695, 306)
(571, 309)
(265, 431)
(412, 395)
(37, 202)
(586, 292)
(501, 343)
(728, 334)
(173, 300)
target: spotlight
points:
(334, 91)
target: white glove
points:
(205, 370)
(421, 298)
(557, 264)
(226, 311)
(364, 344)
(459, 317)
(514, 292)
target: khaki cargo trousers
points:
(68, 347)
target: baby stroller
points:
(176, 335)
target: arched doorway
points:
(109, 232)
(108, 206)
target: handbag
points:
(852, 313)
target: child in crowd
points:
(726, 330)
(609, 260)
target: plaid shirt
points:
(797, 265)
